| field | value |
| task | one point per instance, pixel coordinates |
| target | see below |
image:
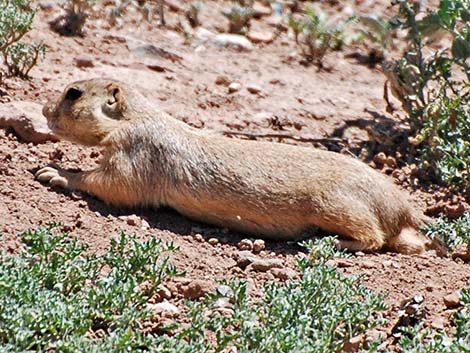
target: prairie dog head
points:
(87, 111)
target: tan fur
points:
(265, 189)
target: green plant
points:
(239, 18)
(318, 313)
(322, 249)
(434, 89)
(55, 296)
(453, 233)
(315, 37)
(16, 18)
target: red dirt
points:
(341, 108)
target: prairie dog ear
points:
(115, 97)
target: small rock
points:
(454, 211)
(143, 49)
(261, 37)
(197, 289)
(224, 290)
(375, 335)
(438, 323)
(165, 308)
(259, 245)
(343, 262)
(277, 22)
(452, 300)
(391, 162)
(368, 264)
(261, 10)
(203, 34)
(253, 89)
(235, 41)
(84, 62)
(144, 225)
(222, 81)
(46, 5)
(213, 241)
(462, 252)
(222, 303)
(354, 344)
(387, 263)
(380, 159)
(198, 237)
(331, 263)
(133, 220)
(26, 119)
(264, 265)
(245, 244)
(283, 274)
(234, 87)
(245, 258)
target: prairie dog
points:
(266, 189)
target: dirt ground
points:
(340, 108)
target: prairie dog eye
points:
(73, 94)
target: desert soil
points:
(340, 108)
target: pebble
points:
(84, 62)
(461, 253)
(380, 159)
(261, 37)
(253, 89)
(222, 81)
(391, 162)
(264, 265)
(164, 308)
(259, 245)
(234, 87)
(245, 244)
(235, 41)
(198, 237)
(213, 241)
(283, 274)
(438, 323)
(354, 344)
(261, 10)
(144, 225)
(452, 300)
(368, 264)
(375, 335)
(132, 220)
(343, 263)
(244, 258)
(197, 289)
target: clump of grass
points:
(72, 22)
(239, 18)
(315, 35)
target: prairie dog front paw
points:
(52, 176)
